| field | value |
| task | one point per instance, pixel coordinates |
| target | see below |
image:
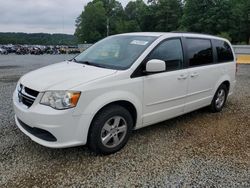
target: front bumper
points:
(68, 129)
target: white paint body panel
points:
(164, 96)
(156, 97)
(63, 76)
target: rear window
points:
(199, 52)
(224, 51)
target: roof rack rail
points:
(186, 32)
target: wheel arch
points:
(97, 102)
(224, 80)
(124, 103)
(227, 84)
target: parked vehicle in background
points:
(36, 51)
(39, 50)
(3, 51)
(9, 48)
(122, 83)
(73, 50)
(21, 50)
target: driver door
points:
(165, 92)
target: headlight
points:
(60, 100)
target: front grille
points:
(31, 91)
(39, 133)
(26, 95)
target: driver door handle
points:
(183, 77)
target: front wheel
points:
(219, 99)
(110, 130)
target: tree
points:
(218, 17)
(92, 22)
(136, 12)
(228, 18)
(37, 38)
(115, 15)
(168, 14)
(240, 29)
(206, 16)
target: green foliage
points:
(167, 15)
(226, 18)
(160, 15)
(206, 16)
(230, 17)
(240, 30)
(37, 38)
(135, 13)
(225, 35)
(91, 23)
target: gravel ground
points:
(198, 149)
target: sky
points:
(41, 16)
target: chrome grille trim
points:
(23, 92)
(24, 97)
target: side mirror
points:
(155, 65)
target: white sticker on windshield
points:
(139, 42)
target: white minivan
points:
(122, 83)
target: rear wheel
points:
(219, 99)
(110, 130)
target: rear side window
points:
(224, 51)
(199, 52)
(169, 51)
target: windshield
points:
(115, 52)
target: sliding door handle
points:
(195, 74)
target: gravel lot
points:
(198, 149)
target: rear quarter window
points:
(224, 51)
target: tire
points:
(110, 130)
(219, 99)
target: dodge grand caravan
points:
(122, 83)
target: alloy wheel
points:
(114, 131)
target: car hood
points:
(63, 76)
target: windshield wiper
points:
(82, 62)
(89, 63)
(74, 60)
(99, 65)
(92, 64)
(85, 62)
